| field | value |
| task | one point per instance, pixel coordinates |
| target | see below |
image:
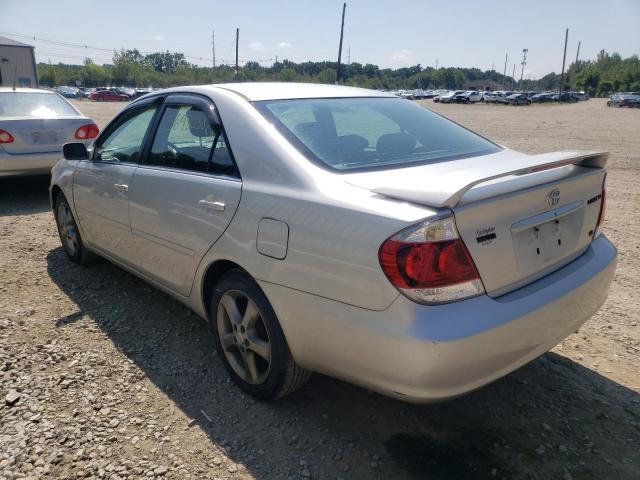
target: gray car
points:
(343, 231)
(34, 124)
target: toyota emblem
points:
(553, 198)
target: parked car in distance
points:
(470, 96)
(139, 92)
(393, 248)
(501, 96)
(624, 100)
(542, 97)
(581, 96)
(67, 92)
(108, 96)
(490, 97)
(567, 97)
(450, 97)
(34, 124)
(517, 99)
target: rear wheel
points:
(69, 234)
(251, 342)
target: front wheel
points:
(69, 234)
(249, 337)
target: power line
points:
(89, 47)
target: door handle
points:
(121, 187)
(218, 205)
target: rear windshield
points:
(348, 134)
(36, 104)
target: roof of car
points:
(25, 90)
(255, 91)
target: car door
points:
(185, 192)
(101, 184)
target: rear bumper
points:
(427, 353)
(27, 163)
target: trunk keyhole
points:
(559, 242)
(538, 251)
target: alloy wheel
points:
(68, 229)
(244, 337)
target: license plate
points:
(547, 242)
(40, 138)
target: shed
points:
(17, 64)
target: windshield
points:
(34, 104)
(371, 133)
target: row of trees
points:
(607, 73)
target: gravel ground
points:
(106, 377)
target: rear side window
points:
(123, 143)
(36, 104)
(186, 140)
(350, 134)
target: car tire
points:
(252, 346)
(69, 233)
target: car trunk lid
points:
(520, 216)
(40, 135)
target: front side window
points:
(124, 143)
(348, 134)
(186, 140)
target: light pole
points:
(524, 62)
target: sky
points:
(392, 34)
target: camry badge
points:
(553, 198)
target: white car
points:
(34, 124)
(342, 231)
(470, 96)
(450, 97)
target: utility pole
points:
(349, 56)
(213, 47)
(578, 52)
(524, 62)
(513, 77)
(275, 67)
(344, 7)
(504, 74)
(237, 38)
(564, 57)
(436, 63)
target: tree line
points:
(599, 77)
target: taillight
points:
(603, 206)
(85, 132)
(5, 137)
(429, 263)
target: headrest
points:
(199, 125)
(396, 144)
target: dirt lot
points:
(117, 380)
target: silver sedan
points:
(34, 124)
(343, 231)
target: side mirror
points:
(75, 151)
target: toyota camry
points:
(343, 231)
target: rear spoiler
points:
(444, 184)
